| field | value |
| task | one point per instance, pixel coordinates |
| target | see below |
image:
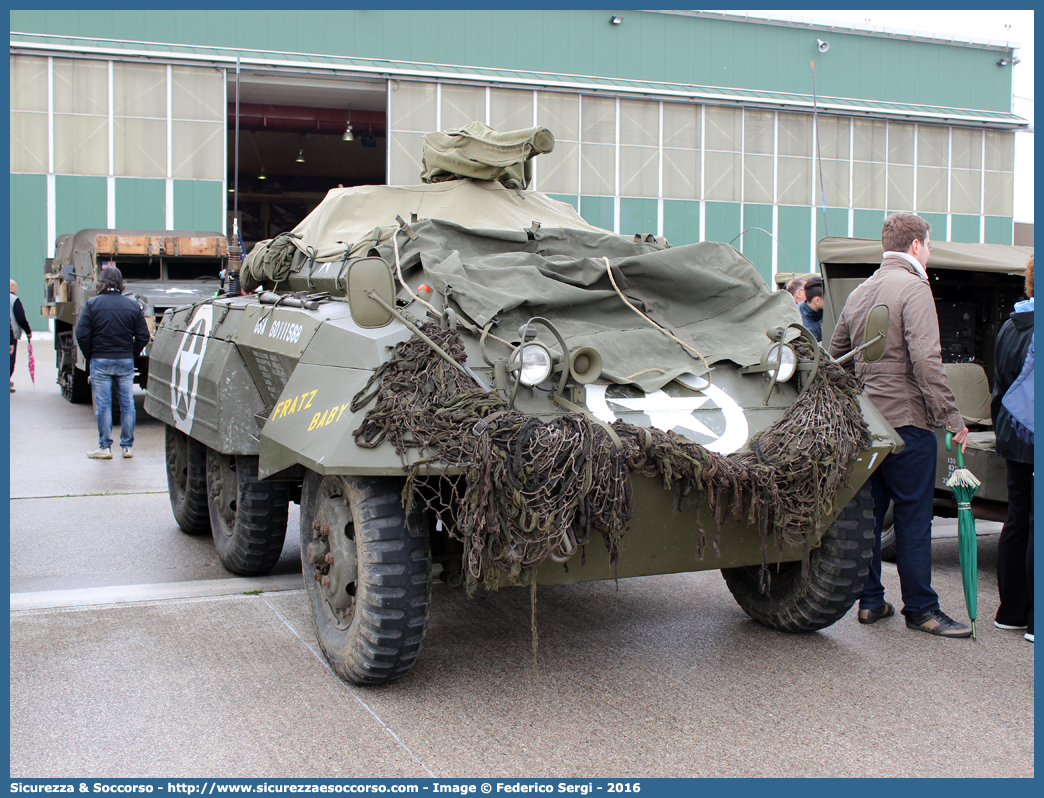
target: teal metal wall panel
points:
(597, 211)
(867, 224)
(638, 216)
(938, 223)
(27, 251)
(795, 237)
(647, 46)
(999, 230)
(681, 222)
(964, 229)
(79, 203)
(570, 199)
(198, 205)
(140, 204)
(758, 246)
(836, 222)
(723, 221)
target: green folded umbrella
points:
(963, 484)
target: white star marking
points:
(186, 365)
(667, 412)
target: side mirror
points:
(370, 274)
(875, 333)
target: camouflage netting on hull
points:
(533, 490)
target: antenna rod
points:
(819, 151)
(235, 177)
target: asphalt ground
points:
(134, 654)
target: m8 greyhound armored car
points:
(463, 380)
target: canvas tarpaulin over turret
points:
(478, 151)
(706, 293)
(348, 217)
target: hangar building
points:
(689, 125)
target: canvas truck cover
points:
(945, 254)
(137, 242)
(477, 151)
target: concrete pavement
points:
(133, 654)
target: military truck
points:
(161, 269)
(976, 287)
(464, 380)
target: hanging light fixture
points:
(348, 130)
(300, 150)
(262, 176)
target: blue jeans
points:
(908, 480)
(106, 376)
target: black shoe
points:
(939, 623)
(876, 614)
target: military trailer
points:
(463, 380)
(161, 269)
(976, 287)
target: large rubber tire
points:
(367, 573)
(836, 572)
(75, 387)
(186, 461)
(889, 551)
(247, 516)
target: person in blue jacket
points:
(812, 308)
(1015, 548)
(111, 333)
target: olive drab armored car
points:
(161, 269)
(463, 380)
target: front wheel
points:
(247, 516)
(367, 573)
(830, 586)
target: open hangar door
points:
(295, 145)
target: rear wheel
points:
(187, 481)
(71, 380)
(75, 387)
(247, 516)
(367, 572)
(831, 585)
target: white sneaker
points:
(1029, 636)
(1008, 627)
(128, 453)
(100, 454)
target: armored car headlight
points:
(784, 360)
(533, 362)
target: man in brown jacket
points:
(908, 385)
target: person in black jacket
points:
(18, 324)
(1015, 548)
(812, 308)
(111, 333)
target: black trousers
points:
(14, 354)
(1015, 550)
